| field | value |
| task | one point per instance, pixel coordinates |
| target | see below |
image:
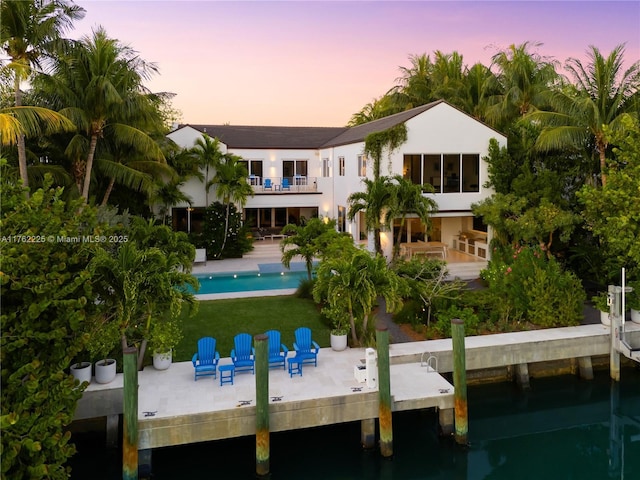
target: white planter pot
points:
(105, 370)
(81, 371)
(338, 342)
(635, 316)
(162, 360)
(604, 318)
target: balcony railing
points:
(295, 184)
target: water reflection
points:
(563, 428)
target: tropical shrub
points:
(213, 233)
(47, 298)
(533, 286)
(443, 323)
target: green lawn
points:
(223, 319)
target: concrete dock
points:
(174, 409)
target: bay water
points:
(561, 428)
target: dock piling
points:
(614, 317)
(459, 381)
(384, 392)
(130, 415)
(262, 404)
(368, 433)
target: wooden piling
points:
(459, 381)
(384, 392)
(130, 415)
(262, 404)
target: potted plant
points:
(633, 301)
(165, 335)
(81, 371)
(601, 302)
(340, 328)
(102, 342)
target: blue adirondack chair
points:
(285, 184)
(266, 185)
(305, 347)
(205, 360)
(277, 351)
(243, 355)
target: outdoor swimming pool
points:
(248, 281)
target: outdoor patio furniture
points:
(227, 372)
(306, 349)
(277, 351)
(295, 366)
(205, 360)
(243, 355)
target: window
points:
(294, 168)
(362, 166)
(254, 170)
(446, 173)
(326, 172)
(432, 171)
(341, 166)
(342, 219)
(411, 169)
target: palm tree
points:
(479, 86)
(98, 86)
(209, 155)
(409, 199)
(124, 164)
(18, 122)
(309, 241)
(603, 93)
(135, 287)
(352, 283)
(29, 32)
(524, 79)
(376, 203)
(231, 187)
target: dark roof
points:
(245, 136)
(360, 132)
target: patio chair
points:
(266, 185)
(205, 360)
(243, 355)
(305, 347)
(285, 184)
(277, 351)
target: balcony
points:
(283, 185)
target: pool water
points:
(248, 281)
(563, 428)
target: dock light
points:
(235, 276)
(258, 274)
(281, 273)
(210, 278)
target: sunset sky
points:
(312, 63)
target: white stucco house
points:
(311, 171)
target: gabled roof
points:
(246, 136)
(360, 132)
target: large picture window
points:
(446, 173)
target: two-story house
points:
(301, 172)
